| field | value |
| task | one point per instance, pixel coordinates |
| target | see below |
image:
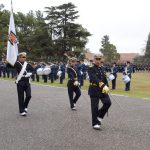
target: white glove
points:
(28, 74)
(76, 83)
(105, 89)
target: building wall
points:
(124, 57)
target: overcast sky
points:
(127, 22)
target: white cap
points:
(22, 54)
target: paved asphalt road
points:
(51, 125)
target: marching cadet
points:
(79, 73)
(114, 71)
(3, 66)
(33, 64)
(128, 71)
(62, 68)
(0, 68)
(56, 67)
(73, 84)
(98, 90)
(38, 65)
(24, 71)
(52, 74)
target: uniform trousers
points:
(96, 112)
(127, 85)
(22, 100)
(114, 84)
(127, 88)
(71, 90)
(37, 77)
(61, 79)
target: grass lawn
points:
(140, 85)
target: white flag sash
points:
(22, 71)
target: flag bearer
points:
(24, 71)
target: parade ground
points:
(52, 125)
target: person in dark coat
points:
(114, 71)
(73, 83)
(62, 68)
(24, 71)
(98, 90)
(128, 71)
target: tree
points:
(33, 35)
(25, 28)
(4, 22)
(52, 22)
(41, 43)
(64, 32)
(147, 50)
(139, 60)
(45, 37)
(109, 50)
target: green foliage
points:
(45, 38)
(4, 21)
(109, 50)
(65, 34)
(139, 60)
(144, 59)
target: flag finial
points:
(11, 6)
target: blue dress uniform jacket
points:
(114, 71)
(62, 68)
(96, 75)
(129, 71)
(80, 74)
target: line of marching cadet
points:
(7, 71)
(57, 71)
(77, 71)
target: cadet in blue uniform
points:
(79, 73)
(62, 68)
(43, 65)
(127, 71)
(73, 84)
(0, 68)
(36, 75)
(98, 90)
(3, 66)
(23, 85)
(52, 74)
(114, 71)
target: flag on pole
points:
(12, 47)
